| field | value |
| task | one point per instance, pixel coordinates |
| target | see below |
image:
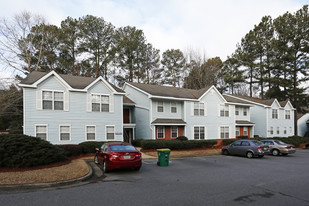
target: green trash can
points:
(163, 157)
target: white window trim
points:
(204, 107)
(65, 99)
(205, 132)
(237, 129)
(224, 110)
(65, 125)
(46, 125)
(95, 132)
(224, 133)
(111, 104)
(106, 132)
(271, 130)
(285, 114)
(272, 116)
(172, 107)
(172, 132)
(163, 132)
(160, 106)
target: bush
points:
(242, 137)
(89, 147)
(177, 144)
(182, 138)
(17, 150)
(71, 149)
(137, 142)
(228, 141)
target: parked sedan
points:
(118, 155)
(277, 147)
(248, 148)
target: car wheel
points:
(275, 152)
(137, 168)
(249, 154)
(225, 152)
(105, 169)
(96, 159)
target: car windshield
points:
(256, 142)
(122, 148)
(279, 142)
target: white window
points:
(41, 131)
(224, 132)
(237, 133)
(237, 111)
(274, 113)
(160, 132)
(278, 130)
(245, 131)
(100, 103)
(65, 132)
(271, 130)
(291, 130)
(110, 132)
(52, 100)
(199, 109)
(173, 107)
(160, 106)
(224, 110)
(90, 132)
(174, 131)
(199, 132)
(284, 130)
(287, 114)
(245, 112)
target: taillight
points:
(113, 156)
(259, 147)
(137, 155)
(288, 147)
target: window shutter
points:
(205, 109)
(39, 100)
(111, 103)
(192, 108)
(66, 101)
(88, 102)
(192, 132)
(218, 110)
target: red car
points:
(118, 155)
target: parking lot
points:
(211, 180)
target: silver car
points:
(248, 148)
(278, 147)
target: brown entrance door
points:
(126, 116)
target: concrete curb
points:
(49, 184)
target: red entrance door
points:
(126, 116)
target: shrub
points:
(242, 137)
(177, 144)
(228, 141)
(17, 150)
(137, 142)
(89, 147)
(182, 138)
(71, 149)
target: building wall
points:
(167, 110)
(76, 117)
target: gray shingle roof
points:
(167, 91)
(267, 102)
(234, 100)
(127, 100)
(168, 121)
(76, 82)
(243, 122)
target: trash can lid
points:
(161, 150)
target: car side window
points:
(237, 143)
(245, 143)
(104, 148)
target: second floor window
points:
(160, 106)
(287, 114)
(52, 100)
(173, 107)
(199, 109)
(274, 113)
(237, 111)
(100, 103)
(224, 110)
(245, 111)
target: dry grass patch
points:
(186, 153)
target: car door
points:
(102, 153)
(234, 148)
(244, 148)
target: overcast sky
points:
(211, 27)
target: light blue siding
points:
(167, 110)
(302, 126)
(77, 116)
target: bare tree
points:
(16, 41)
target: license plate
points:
(126, 157)
(264, 148)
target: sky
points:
(210, 28)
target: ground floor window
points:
(90, 132)
(271, 130)
(237, 131)
(174, 132)
(110, 132)
(284, 131)
(160, 132)
(224, 132)
(245, 131)
(41, 131)
(199, 132)
(65, 132)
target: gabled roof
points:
(127, 101)
(266, 102)
(163, 121)
(167, 91)
(75, 82)
(234, 100)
